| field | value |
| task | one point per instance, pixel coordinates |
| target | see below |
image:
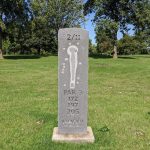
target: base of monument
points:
(73, 138)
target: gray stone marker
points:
(73, 87)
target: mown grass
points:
(119, 104)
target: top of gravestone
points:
(73, 28)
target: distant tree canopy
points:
(49, 16)
(131, 45)
(31, 26)
(112, 16)
(10, 13)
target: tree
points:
(2, 28)
(42, 36)
(140, 15)
(92, 48)
(141, 21)
(19, 35)
(128, 45)
(121, 13)
(35, 23)
(65, 13)
(10, 11)
(49, 16)
(116, 12)
(105, 36)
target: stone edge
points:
(73, 138)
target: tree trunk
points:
(115, 52)
(1, 54)
(21, 51)
(39, 51)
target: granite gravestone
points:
(73, 86)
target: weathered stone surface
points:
(87, 137)
(72, 80)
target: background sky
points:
(90, 27)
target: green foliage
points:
(42, 36)
(140, 15)
(115, 15)
(11, 12)
(92, 48)
(105, 35)
(127, 45)
(14, 48)
(34, 24)
(141, 21)
(2, 25)
(6, 45)
(110, 16)
(65, 13)
(38, 27)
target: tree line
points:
(112, 16)
(31, 26)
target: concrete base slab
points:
(87, 137)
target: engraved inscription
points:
(73, 80)
(72, 122)
(72, 103)
(73, 37)
(73, 61)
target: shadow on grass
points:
(144, 56)
(97, 56)
(105, 56)
(126, 57)
(27, 56)
(23, 57)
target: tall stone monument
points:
(73, 87)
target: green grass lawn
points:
(119, 104)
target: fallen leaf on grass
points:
(40, 122)
(139, 133)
